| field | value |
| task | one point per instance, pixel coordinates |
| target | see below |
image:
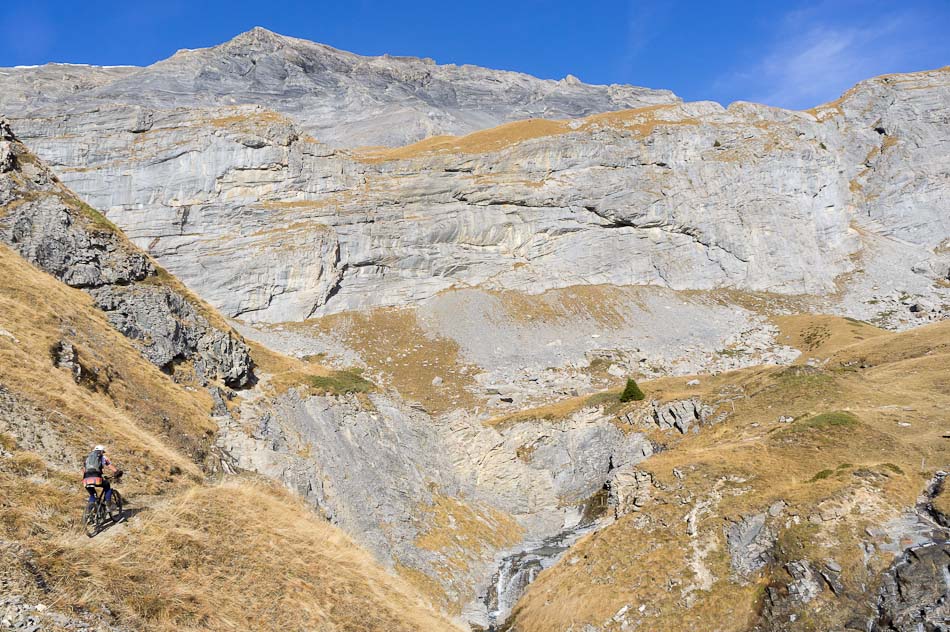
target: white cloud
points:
(813, 58)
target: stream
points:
(519, 569)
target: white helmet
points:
(100, 448)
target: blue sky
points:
(790, 54)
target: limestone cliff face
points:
(342, 98)
(270, 225)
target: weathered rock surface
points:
(47, 225)
(680, 414)
(684, 196)
(916, 592)
(750, 542)
(407, 485)
(339, 97)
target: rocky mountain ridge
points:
(341, 98)
(752, 198)
(456, 282)
(538, 229)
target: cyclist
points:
(96, 463)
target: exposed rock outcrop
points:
(750, 542)
(684, 196)
(51, 228)
(424, 489)
(680, 414)
(916, 592)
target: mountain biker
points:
(96, 463)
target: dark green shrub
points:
(631, 392)
(821, 475)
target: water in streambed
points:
(519, 569)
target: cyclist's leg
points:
(92, 494)
(108, 490)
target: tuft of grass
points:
(830, 420)
(604, 398)
(340, 382)
(821, 476)
(894, 468)
(631, 392)
(97, 219)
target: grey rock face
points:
(916, 592)
(49, 227)
(54, 237)
(339, 97)
(169, 329)
(681, 196)
(680, 414)
(377, 470)
(750, 543)
(630, 489)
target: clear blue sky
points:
(792, 54)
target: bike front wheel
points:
(115, 507)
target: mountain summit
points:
(339, 97)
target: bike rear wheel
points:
(91, 518)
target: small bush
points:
(832, 420)
(631, 392)
(894, 468)
(600, 399)
(341, 382)
(821, 475)
(717, 144)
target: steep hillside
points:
(70, 379)
(48, 225)
(787, 515)
(496, 248)
(437, 500)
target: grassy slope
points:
(279, 566)
(860, 468)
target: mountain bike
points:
(97, 514)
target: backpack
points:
(94, 463)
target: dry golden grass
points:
(866, 462)
(280, 567)
(608, 305)
(124, 402)
(238, 556)
(393, 343)
(640, 122)
(249, 119)
(169, 568)
(818, 336)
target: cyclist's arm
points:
(109, 466)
